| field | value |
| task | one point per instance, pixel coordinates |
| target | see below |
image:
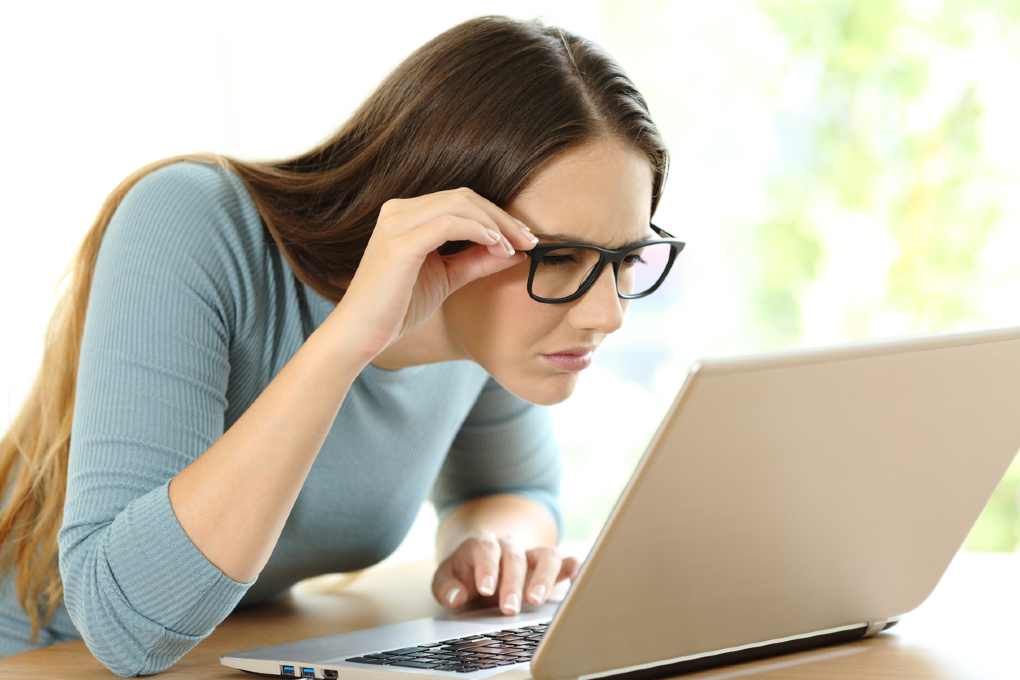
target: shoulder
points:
(196, 176)
(194, 198)
(196, 224)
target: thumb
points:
(464, 270)
(447, 587)
(452, 593)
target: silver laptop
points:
(786, 501)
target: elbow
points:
(123, 640)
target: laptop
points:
(785, 502)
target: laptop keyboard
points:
(464, 654)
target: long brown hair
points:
(484, 105)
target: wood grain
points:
(966, 630)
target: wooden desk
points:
(968, 628)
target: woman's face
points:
(600, 194)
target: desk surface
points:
(965, 630)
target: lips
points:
(574, 351)
(569, 362)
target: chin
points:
(544, 390)
(549, 400)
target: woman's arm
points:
(234, 499)
(502, 473)
(145, 577)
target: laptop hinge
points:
(875, 627)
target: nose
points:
(600, 308)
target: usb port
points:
(287, 671)
(307, 672)
(329, 674)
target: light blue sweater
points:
(192, 312)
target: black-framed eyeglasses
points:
(564, 271)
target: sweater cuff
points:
(163, 575)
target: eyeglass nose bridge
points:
(615, 259)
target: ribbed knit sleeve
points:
(505, 445)
(149, 399)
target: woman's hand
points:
(495, 569)
(401, 279)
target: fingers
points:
(465, 270)
(450, 227)
(485, 553)
(569, 568)
(478, 207)
(514, 567)
(545, 565)
(460, 575)
(452, 583)
(485, 565)
(466, 204)
(451, 593)
(514, 229)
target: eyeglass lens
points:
(561, 272)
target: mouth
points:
(580, 350)
(571, 361)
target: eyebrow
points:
(555, 236)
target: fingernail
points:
(536, 594)
(512, 602)
(452, 595)
(488, 585)
(507, 247)
(527, 232)
(493, 235)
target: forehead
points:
(599, 193)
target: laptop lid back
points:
(792, 493)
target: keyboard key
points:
(410, 663)
(464, 654)
(474, 646)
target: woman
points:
(281, 360)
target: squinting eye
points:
(637, 259)
(557, 259)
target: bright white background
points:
(94, 90)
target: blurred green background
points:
(926, 184)
(842, 171)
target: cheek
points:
(513, 317)
(499, 320)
